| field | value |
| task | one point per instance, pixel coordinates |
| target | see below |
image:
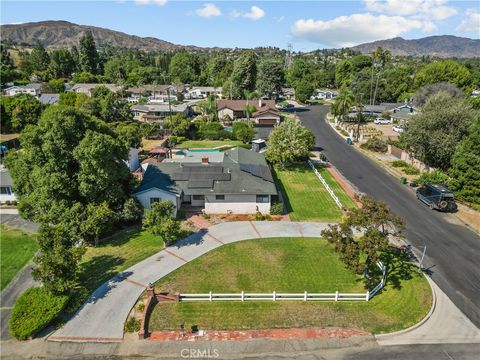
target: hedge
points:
(33, 311)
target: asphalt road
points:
(453, 251)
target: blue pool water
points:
(228, 128)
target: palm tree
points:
(344, 102)
(249, 109)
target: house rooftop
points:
(49, 99)
(239, 105)
(240, 172)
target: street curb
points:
(420, 323)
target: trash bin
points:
(349, 141)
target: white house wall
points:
(236, 204)
(144, 197)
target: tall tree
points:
(444, 71)
(22, 110)
(38, 58)
(184, 67)
(62, 64)
(433, 134)
(465, 170)
(270, 78)
(88, 56)
(244, 74)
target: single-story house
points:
(202, 92)
(87, 88)
(235, 181)
(154, 93)
(157, 112)
(33, 89)
(6, 191)
(266, 114)
(324, 94)
(402, 113)
(49, 99)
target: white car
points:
(398, 129)
(381, 121)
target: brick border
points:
(342, 183)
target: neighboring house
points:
(202, 92)
(235, 181)
(402, 113)
(266, 114)
(6, 191)
(32, 89)
(288, 93)
(157, 112)
(153, 93)
(324, 94)
(87, 88)
(49, 99)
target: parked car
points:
(398, 129)
(381, 121)
(437, 197)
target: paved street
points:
(453, 251)
(103, 315)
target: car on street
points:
(398, 129)
(381, 121)
(437, 197)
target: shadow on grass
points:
(300, 168)
(98, 269)
(121, 237)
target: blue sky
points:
(307, 25)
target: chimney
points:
(205, 160)
(260, 103)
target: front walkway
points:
(101, 318)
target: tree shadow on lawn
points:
(399, 268)
(98, 269)
(121, 237)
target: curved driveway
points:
(102, 316)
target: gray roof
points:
(49, 99)
(5, 179)
(159, 107)
(241, 172)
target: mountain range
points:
(61, 34)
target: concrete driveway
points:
(101, 318)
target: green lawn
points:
(337, 189)
(207, 144)
(121, 251)
(288, 264)
(17, 248)
(307, 198)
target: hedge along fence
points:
(332, 194)
(305, 296)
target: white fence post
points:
(305, 296)
(329, 190)
(367, 297)
(336, 295)
(243, 295)
(274, 296)
(210, 293)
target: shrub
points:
(14, 202)
(132, 325)
(375, 144)
(435, 177)
(276, 208)
(259, 216)
(400, 163)
(8, 202)
(410, 170)
(344, 132)
(403, 180)
(34, 310)
(132, 211)
(141, 307)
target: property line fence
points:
(330, 191)
(278, 296)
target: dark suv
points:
(437, 197)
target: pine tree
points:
(88, 56)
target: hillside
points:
(442, 46)
(63, 34)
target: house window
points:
(263, 198)
(154, 200)
(5, 190)
(198, 197)
(219, 197)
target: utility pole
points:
(376, 87)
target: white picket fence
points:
(332, 194)
(277, 296)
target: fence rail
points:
(278, 296)
(330, 191)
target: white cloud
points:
(255, 13)
(208, 10)
(279, 18)
(418, 9)
(345, 31)
(471, 23)
(149, 2)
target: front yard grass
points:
(207, 144)
(117, 253)
(293, 265)
(17, 248)
(306, 197)
(337, 189)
